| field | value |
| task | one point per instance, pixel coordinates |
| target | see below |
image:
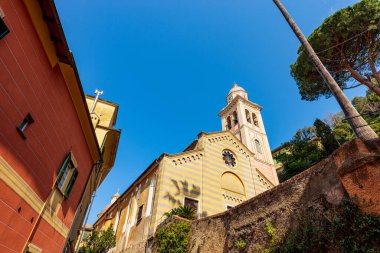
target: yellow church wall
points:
(215, 166)
(177, 180)
(196, 174)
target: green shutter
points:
(71, 183)
(63, 167)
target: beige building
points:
(215, 172)
(103, 116)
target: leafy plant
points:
(182, 211)
(272, 233)
(273, 239)
(173, 238)
(240, 244)
(99, 242)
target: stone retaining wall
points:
(352, 170)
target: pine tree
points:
(328, 140)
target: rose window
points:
(229, 158)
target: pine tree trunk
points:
(358, 124)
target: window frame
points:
(140, 212)
(69, 164)
(258, 146)
(193, 199)
(5, 27)
(28, 119)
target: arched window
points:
(236, 121)
(229, 125)
(258, 146)
(248, 116)
(254, 119)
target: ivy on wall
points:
(342, 229)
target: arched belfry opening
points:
(229, 123)
(248, 116)
(236, 120)
(254, 119)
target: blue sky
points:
(169, 64)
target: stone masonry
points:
(351, 171)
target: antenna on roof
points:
(98, 93)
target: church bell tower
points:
(243, 119)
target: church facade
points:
(214, 173)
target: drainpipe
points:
(99, 162)
(98, 173)
(33, 231)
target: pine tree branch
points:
(353, 86)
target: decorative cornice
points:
(235, 100)
(265, 181)
(187, 158)
(232, 196)
(230, 137)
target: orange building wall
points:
(28, 84)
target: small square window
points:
(3, 28)
(26, 122)
(67, 176)
(139, 214)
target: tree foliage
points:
(182, 211)
(173, 238)
(99, 242)
(300, 153)
(312, 144)
(348, 44)
(368, 107)
(326, 136)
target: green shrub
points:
(99, 242)
(240, 244)
(182, 211)
(173, 238)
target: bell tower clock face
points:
(229, 99)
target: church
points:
(215, 172)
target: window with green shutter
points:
(66, 176)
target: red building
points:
(48, 147)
